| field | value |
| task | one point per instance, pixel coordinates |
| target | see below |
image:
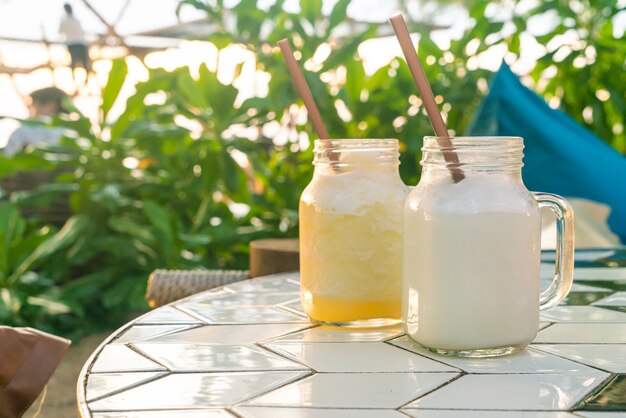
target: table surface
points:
(247, 350)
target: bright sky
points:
(25, 18)
(32, 18)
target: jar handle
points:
(564, 266)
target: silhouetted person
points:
(74, 36)
(44, 104)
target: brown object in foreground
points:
(166, 286)
(417, 71)
(303, 89)
(270, 256)
(27, 360)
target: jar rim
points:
(352, 143)
(376, 151)
(456, 141)
(473, 154)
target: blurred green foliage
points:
(173, 185)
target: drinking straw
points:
(402, 33)
(304, 90)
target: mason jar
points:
(351, 233)
(472, 244)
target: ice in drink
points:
(351, 237)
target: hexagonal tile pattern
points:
(616, 299)
(527, 361)
(248, 351)
(277, 283)
(610, 397)
(430, 413)
(168, 315)
(518, 392)
(120, 358)
(355, 357)
(566, 333)
(200, 413)
(269, 412)
(244, 315)
(354, 390)
(599, 273)
(608, 357)
(146, 332)
(328, 334)
(582, 314)
(248, 299)
(102, 384)
(214, 357)
(232, 335)
(194, 391)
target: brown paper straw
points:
(402, 33)
(303, 89)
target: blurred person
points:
(74, 37)
(44, 104)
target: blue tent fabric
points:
(561, 156)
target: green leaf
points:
(338, 14)
(477, 9)
(219, 97)
(73, 228)
(6, 313)
(126, 292)
(311, 9)
(80, 125)
(27, 244)
(427, 46)
(117, 76)
(135, 108)
(23, 162)
(355, 82)
(129, 227)
(201, 213)
(221, 40)
(43, 196)
(196, 240)
(514, 44)
(9, 300)
(50, 306)
(11, 228)
(231, 172)
(191, 91)
(159, 218)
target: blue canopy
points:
(561, 156)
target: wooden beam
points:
(121, 13)
(110, 29)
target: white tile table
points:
(248, 351)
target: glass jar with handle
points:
(471, 263)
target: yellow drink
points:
(351, 244)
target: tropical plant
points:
(178, 185)
(29, 293)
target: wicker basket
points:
(165, 286)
